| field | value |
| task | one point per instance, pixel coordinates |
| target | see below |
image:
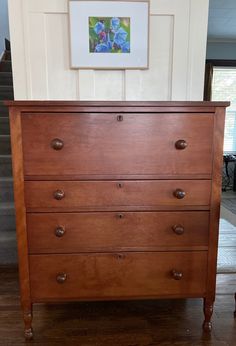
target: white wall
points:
(40, 51)
(4, 27)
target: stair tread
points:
(9, 235)
(4, 126)
(3, 107)
(7, 62)
(6, 179)
(5, 65)
(6, 87)
(6, 73)
(5, 165)
(4, 206)
(5, 157)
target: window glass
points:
(224, 89)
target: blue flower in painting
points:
(120, 37)
(115, 23)
(99, 27)
(101, 48)
(125, 47)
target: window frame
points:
(210, 64)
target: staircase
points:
(8, 253)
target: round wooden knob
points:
(61, 278)
(177, 275)
(178, 193)
(178, 229)
(181, 144)
(57, 144)
(59, 194)
(60, 231)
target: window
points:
(224, 89)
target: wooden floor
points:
(132, 323)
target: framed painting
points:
(109, 34)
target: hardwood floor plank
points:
(124, 323)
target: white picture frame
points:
(109, 34)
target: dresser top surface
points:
(136, 104)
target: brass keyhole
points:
(119, 117)
(120, 256)
(120, 216)
(120, 185)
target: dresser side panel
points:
(19, 198)
(217, 163)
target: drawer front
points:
(100, 276)
(99, 144)
(112, 194)
(116, 231)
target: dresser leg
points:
(28, 316)
(208, 311)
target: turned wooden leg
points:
(235, 305)
(28, 316)
(208, 311)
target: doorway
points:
(221, 86)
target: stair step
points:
(3, 110)
(8, 247)
(5, 66)
(7, 44)
(7, 209)
(7, 216)
(7, 235)
(5, 145)
(7, 55)
(8, 255)
(6, 78)
(5, 166)
(4, 126)
(6, 92)
(6, 190)
(8, 244)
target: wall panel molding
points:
(41, 59)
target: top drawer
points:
(117, 144)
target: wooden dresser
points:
(116, 200)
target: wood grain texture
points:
(116, 106)
(40, 194)
(119, 231)
(115, 208)
(46, 103)
(215, 199)
(119, 323)
(18, 176)
(118, 275)
(120, 177)
(100, 144)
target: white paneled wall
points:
(39, 33)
